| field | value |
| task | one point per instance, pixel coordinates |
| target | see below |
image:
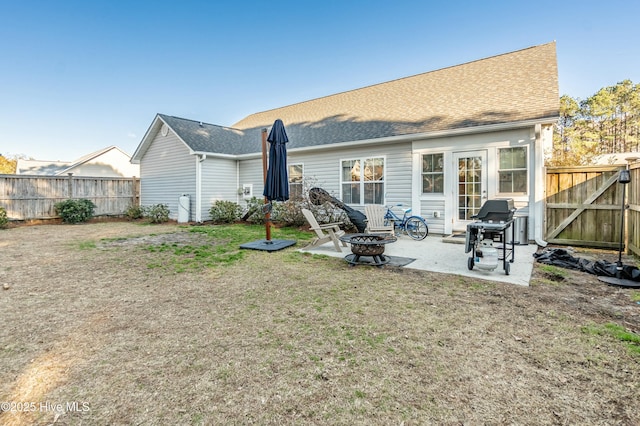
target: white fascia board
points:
(146, 139)
(431, 135)
(205, 155)
(400, 138)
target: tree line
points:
(607, 122)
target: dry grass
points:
(291, 338)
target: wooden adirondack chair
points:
(325, 232)
(375, 220)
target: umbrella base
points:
(620, 282)
(273, 245)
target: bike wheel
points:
(416, 228)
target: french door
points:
(471, 186)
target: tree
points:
(607, 122)
(7, 166)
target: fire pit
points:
(368, 245)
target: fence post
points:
(136, 191)
(70, 185)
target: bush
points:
(225, 211)
(75, 211)
(158, 213)
(134, 212)
(254, 206)
(4, 220)
(289, 213)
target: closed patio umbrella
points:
(276, 183)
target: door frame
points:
(461, 224)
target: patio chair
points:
(375, 220)
(325, 232)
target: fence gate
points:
(583, 206)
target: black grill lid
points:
(498, 210)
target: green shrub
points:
(289, 213)
(225, 211)
(254, 207)
(134, 212)
(158, 213)
(75, 211)
(4, 220)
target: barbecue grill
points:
(493, 221)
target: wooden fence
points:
(33, 197)
(584, 205)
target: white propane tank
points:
(183, 208)
(488, 256)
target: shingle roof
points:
(205, 137)
(516, 86)
(41, 167)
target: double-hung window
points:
(362, 180)
(512, 170)
(432, 174)
(295, 181)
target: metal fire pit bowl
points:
(368, 245)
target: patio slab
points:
(435, 255)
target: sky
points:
(80, 76)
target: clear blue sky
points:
(78, 76)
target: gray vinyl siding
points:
(251, 173)
(219, 182)
(323, 169)
(427, 209)
(167, 171)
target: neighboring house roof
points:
(60, 168)
(40, 167)
(513, 87)
(621, 158)
(87, 158)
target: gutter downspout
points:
(199, 159)
(539, 187)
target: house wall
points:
(219, 182)
(113, 163)
(167, 171)
(445, 204)
(325, 168)
(250, 173)
(322, 169)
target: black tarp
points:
(602, 268)
(318, 196)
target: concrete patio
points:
(446, 255)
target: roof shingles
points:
(516, 86)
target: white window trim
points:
(526, 169)
(362, 159)
(289, 176)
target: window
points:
(432, 174)
(295, 181)
(362, 181)
(512, 170)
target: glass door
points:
(471, 188)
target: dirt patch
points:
(98, 329)
(585, 293)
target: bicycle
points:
(415, 226)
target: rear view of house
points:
(443, 142)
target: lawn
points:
(122, 323)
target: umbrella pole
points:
(267, 215)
